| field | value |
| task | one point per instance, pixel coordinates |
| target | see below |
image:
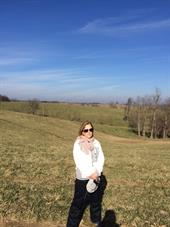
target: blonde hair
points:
(83, 125)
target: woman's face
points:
(88, 131)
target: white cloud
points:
(124, 25)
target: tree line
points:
(148, 117)
(4, 98)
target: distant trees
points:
(164, 122)
(148, 117)
(4, 98)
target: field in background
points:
(107, 118)
(37, 169)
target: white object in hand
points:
(91, 186)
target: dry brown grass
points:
(37, 173)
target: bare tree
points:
(144, 110)
(166, 118)
(139, 108)
(155, 102)
(134, 116)
(127, 109)
(150, 117)
(34, 105)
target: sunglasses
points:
(88, 130)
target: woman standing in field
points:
(89, 183)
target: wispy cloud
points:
(67, 84)
(10, 55)
(53, 78)
(38, 76)
(16, 61)
(123, 25)
(28, 53)
(53, 84)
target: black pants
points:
(82, 199)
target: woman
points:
(89, 161)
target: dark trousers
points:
(81, 200)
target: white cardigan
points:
(87, 164)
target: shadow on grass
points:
(109, 219)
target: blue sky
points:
(84, 50)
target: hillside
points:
(37, 172)
(107, 118)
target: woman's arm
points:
(100, 160)
(83, 162)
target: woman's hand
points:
(94, 176)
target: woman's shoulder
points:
(77, 141)
(96, 141)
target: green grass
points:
(37, 172)
(102, 114)
(106, 118)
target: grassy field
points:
(107, 119)
(37, 173)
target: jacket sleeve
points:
(82, 161)
(100, 161)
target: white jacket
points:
(87, 164)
